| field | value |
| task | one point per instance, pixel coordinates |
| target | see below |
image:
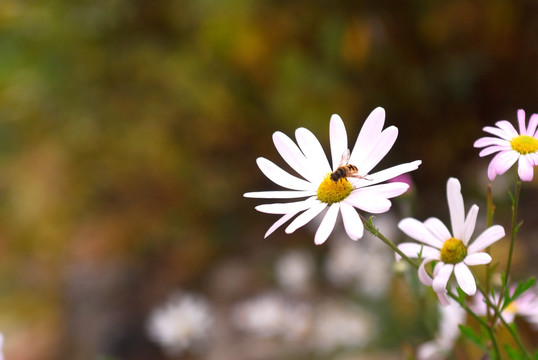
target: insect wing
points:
(345, 158)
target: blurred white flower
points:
(341, 325)
(452, 315)
(180, 324)
(272, 315)
(366, 265)
(294, 271)
(1, 346)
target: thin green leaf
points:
(470, 334)
(514, 354)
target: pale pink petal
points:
(455, 205)
(284, 208)
(470, 222)
(507, 127)
(327, 224)
(305, 217)
(281, 177)
(418, 231)
(279, 223)
(443, 298)
(502, 162)
(423, 275)
(413, 249)
(493, 149)
(279, 194)
(388, 190)
(313, 151)
(441, 279)
(479, 258)
(371, 204)
(488, 237)
(338, 139)
(437, 268)
(291, 153)
(369, 132)
(525, 168)
(380, 148)
(521, 121)
(438, 229)
(488, 141)
(499, 132)
(465, 278)
(533, 124)
(352, 221)
(387, 174)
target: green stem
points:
(372, 229)
(496, 308)
(490, 209)
(485, 325)
(513, 232)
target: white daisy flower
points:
(511, 146)
(452, 251)
(340, 194)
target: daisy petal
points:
(305, 217)
(371, 204)
(338, 139)
(278, 194)
(440, 281)
(291, 153)
(327, 224)
(470, 222)
(380, 148)
(389, 173)
(370, 131)
(465, 278)
(455, 205)
(412, 250)
(499, 132)
(352, 221)
(388, 190)
(279, 223)
(443, 298)
(488, 141)
(281, 177)
(479, 258)
(418, 231)
(423, 275)
(488, 237)
(533, 124)
(313, 151)
(501, 162)
(438, 229)
(493, 149)
(525, 168)
(521, 122)
(284, 208)
(507, 127)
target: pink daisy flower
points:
(511, 146)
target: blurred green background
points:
(129, 132)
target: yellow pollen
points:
(524, 144)
(331, 192)
(453, 251)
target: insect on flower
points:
(345, 169)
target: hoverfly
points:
(346, 170)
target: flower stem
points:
(483, 323)
(496, 309)
(490, 209)
(374, 231)
(514, 229)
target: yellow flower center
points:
(453, 251)
(524, 144)
(331, 192)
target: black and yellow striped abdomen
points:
(343, 171)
